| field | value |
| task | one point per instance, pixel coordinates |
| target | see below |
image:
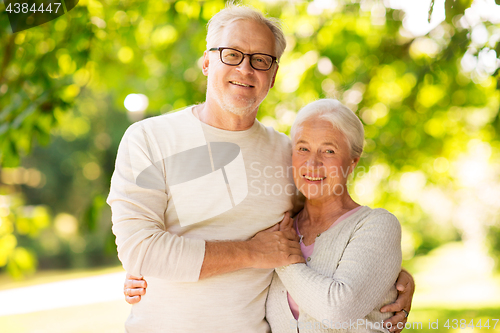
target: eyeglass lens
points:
(257, 61)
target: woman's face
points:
(321, 160)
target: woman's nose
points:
(314, 160)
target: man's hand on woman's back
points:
(401, 307)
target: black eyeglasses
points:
(233, 57)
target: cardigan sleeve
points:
(367, 269)
(138, 201)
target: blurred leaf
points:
(455, 7)
(65, 82)
(92, 215)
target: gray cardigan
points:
(350, 276)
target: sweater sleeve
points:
(365, 273)
(138, 201)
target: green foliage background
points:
(62, 87)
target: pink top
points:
(307, 251)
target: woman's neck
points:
(318, 216)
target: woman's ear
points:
(353, 165)
(354, 162)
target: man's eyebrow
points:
(241, 50)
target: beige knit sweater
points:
(178, 183)
(350, 276)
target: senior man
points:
(192, 188)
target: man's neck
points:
(223, 119)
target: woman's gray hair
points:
(341, 117)
(234, 13)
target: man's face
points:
(240, 89)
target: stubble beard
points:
(237, 105)
(244, 106)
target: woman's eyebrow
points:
(330, 144)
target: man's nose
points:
(245, 67)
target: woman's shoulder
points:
(377, 216)
(375, 212)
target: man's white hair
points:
(234, 13)
(341, 117)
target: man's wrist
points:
(225, 256)
(248, 255)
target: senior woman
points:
(353, 252)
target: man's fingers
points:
(393, 307)
(296, 259)
(404, 282)
(288, 244)
(396, 323)
(402, 287)
(275, 249)
(275, 227)
(292, 251)
(397, 329)
(290, 235)
(286, 223)
(295, 250)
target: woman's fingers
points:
(132, 282)
(133, 288)
(132, 299)
(130, 292)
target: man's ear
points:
(274, 76)
(204, 67)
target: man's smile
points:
(241, 84)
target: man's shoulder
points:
(274, 136)
(157, 122)
(173, 116)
